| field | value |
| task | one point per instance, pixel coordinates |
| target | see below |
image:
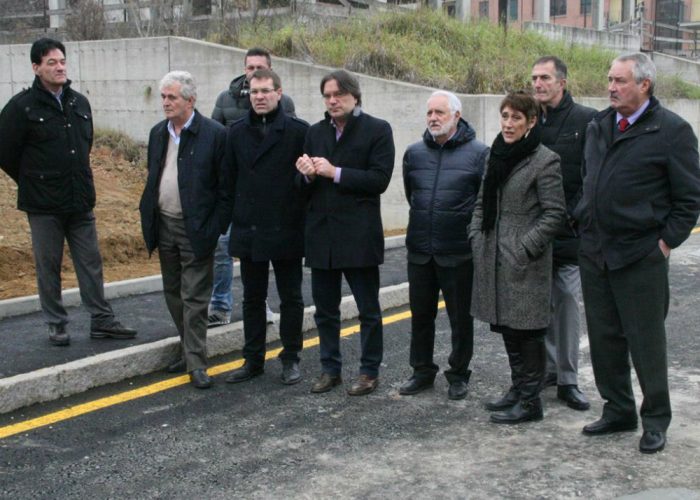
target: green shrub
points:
(427, 47)
(120, 144)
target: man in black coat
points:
(45, 148)
(347, 164)
(441, 176)
(231, 105)
(641, 198)
(184, 208)
(563, 128)
(268, 222)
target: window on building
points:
(201, 7)
(449, 8)
(558, 7)
(585, 7)
(484, 9)
(513, 10)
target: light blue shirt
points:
(171, 129)
(634, 116)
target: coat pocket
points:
(514, 252)
(44, 125)
(45, 190)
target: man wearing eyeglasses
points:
(231, 105)
(347, 164)
(268, 222)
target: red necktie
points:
(623, 124)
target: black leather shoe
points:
(522, 411)
(179, 366)
(111, 329)
(58, 335)
(573, 396)
(244, 373)
(325, 383)
(200, 379)
(652, 441)
(291, 374)
(457, 390)
(550, 380)
(604, 426)
(505, 402)
(415, 385)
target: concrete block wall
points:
(684, 68)
(120, 77)
(618, 42)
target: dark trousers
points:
(48, 234)
(288, 276)
(187, 283)
(625, 312)
(424, 284)
(326, 291)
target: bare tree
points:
(86, 20)
(159, 17)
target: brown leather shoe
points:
(326, 382)
(363, 385)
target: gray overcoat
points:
(513, 261)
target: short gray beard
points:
(444, 130)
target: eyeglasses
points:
(335, 95)
(255, 92)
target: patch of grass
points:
(427, 47)
(674, 87)
(121, 144)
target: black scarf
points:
(503, 158)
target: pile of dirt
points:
(119, 185)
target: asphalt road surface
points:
(262, 439)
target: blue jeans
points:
(222, 294)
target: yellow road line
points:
(164, 385)
(170, 383)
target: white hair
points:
(452, 100)
(187, 87)
(644, 68)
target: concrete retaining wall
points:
(618, 42)
(686, 69)
(120, 77)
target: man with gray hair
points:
(441, 176)
(641, 198)
(184, 208)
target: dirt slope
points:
(119, 186)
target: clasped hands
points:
(313, 166)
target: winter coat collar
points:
(464, 134)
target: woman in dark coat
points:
(518, 212)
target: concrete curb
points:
(138, 286)
(51, 383)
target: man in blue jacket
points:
(184, 209)
(441, 176)
(47, 136)
(641, 198)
